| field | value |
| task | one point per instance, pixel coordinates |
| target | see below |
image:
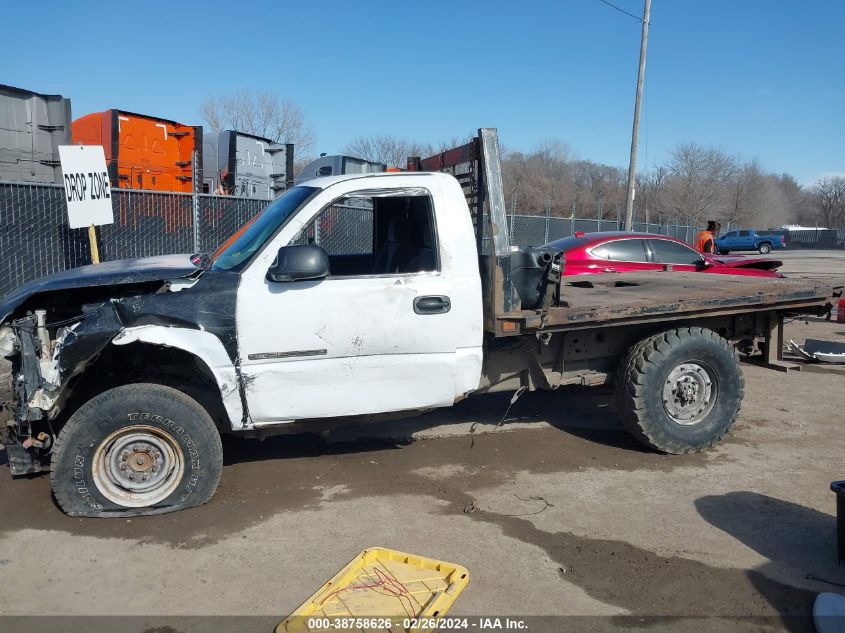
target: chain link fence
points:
(341, 230)
(219, 217)
(536, 230)
(36, 240)
(811, 238)
(532, 230)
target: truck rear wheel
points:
(765, 248)
(680, 391)
(135, 450)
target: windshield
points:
(252, 236)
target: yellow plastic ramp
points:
(381, 590)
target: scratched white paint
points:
(177, 285)
(53, 376)
(379, 355)
(204, 345)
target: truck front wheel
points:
(680, 391)
(135, 450)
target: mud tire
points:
(644, 372)
(169, 417)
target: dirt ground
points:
(557, 513)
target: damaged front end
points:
(33, 378)
(26, 392)
(183, 333)
(38, 372)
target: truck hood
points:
(114, 273)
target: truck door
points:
(728, 241)
(396, 326)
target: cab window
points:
(625, 251)
(667, 252)
(375, 235)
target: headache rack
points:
(477, 167)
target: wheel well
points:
(144, 362)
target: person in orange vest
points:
(705, 241)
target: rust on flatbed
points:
(616, 299)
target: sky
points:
(758, 78)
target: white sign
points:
(87, 189)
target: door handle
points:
(609, 270)
(434, 304)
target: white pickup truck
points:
(349, 296)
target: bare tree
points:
(387, 149)
(651, 192)
(798, 201)
(829, 198)
(456, 141)
(744, 193)
(599, 188)
(696, 184)
(261, 114)
(539, 180)
(712, 185)
(697, 179)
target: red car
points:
(617, 251)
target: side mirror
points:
(703, 263)
(297, 263)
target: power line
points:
(621, 10)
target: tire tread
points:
(631, 401)
(80, 417)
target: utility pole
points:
(632, 165)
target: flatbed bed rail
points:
(620, 298)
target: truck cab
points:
(387, 308)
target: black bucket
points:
(839, 488)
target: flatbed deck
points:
(624, 298)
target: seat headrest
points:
(399, 229)
(427, 242)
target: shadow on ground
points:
(797, 541)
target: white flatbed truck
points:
(119, 378)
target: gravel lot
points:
(556, 513)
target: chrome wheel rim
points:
(138, 466)
(689, 393)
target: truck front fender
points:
(205, 346)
